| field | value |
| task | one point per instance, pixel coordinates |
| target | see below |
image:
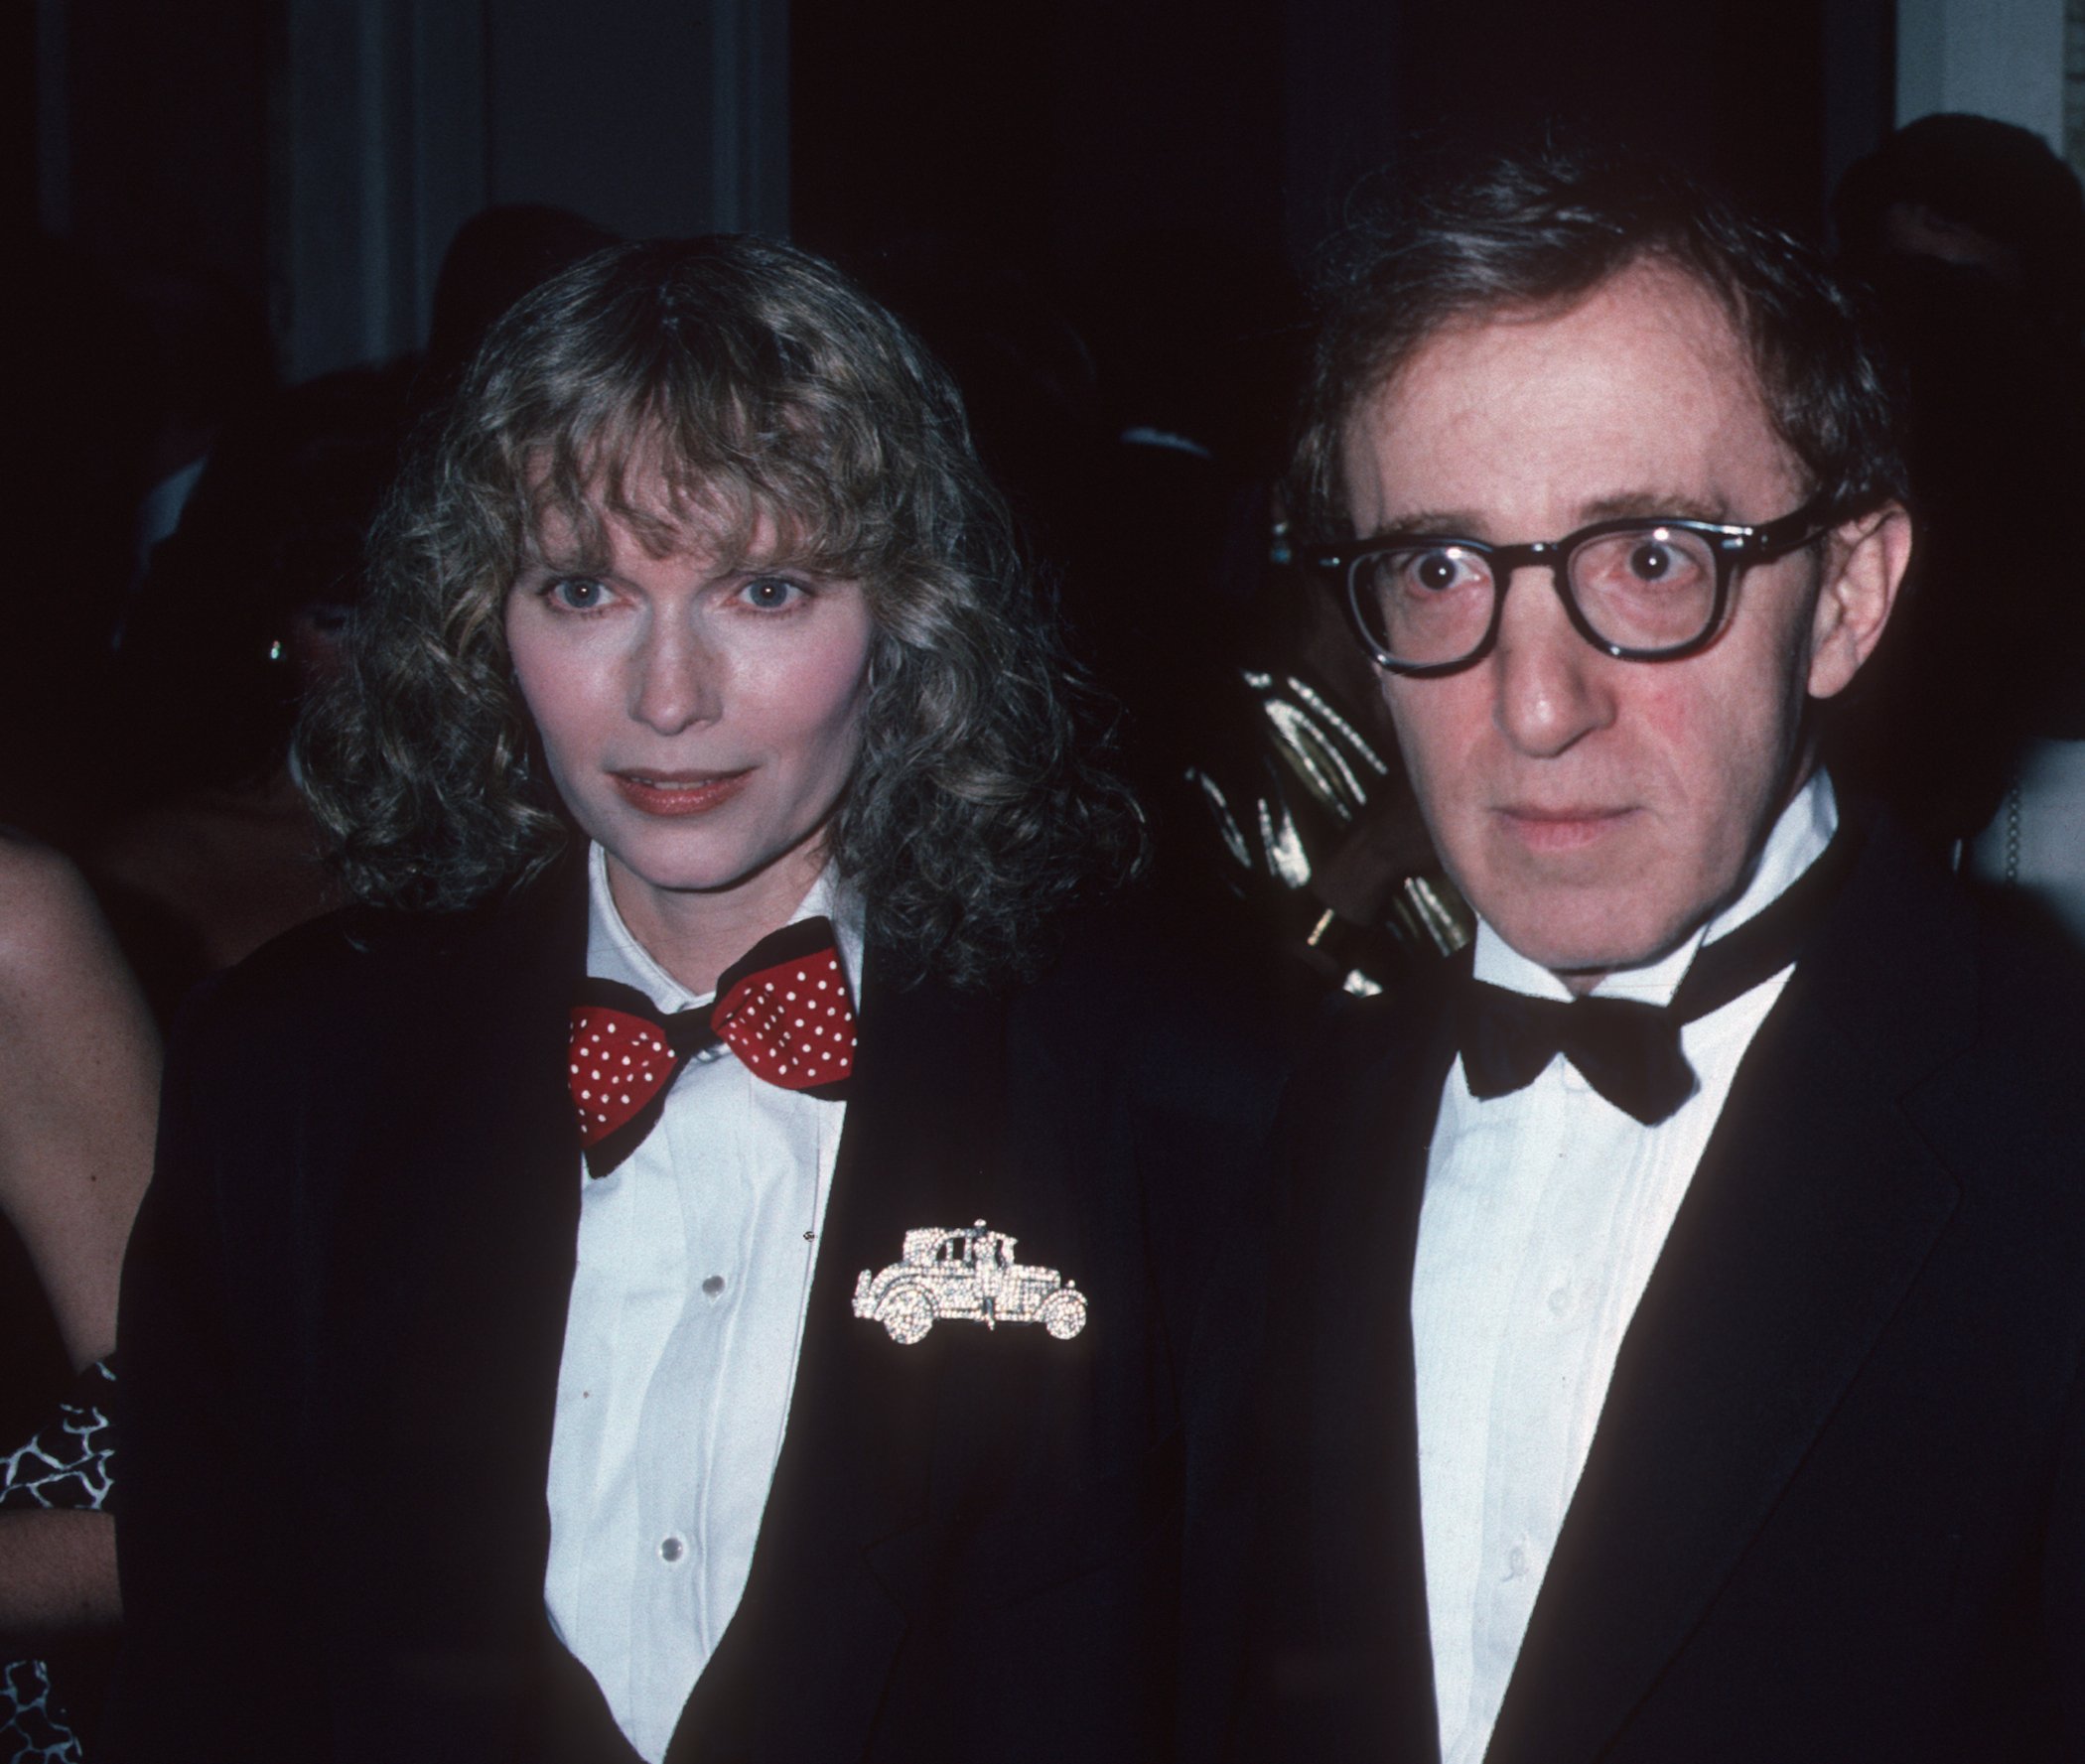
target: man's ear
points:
(1865, 563)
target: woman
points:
(79, 1079)
(810, 1396)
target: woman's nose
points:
(679, 678)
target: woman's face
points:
(701, 712)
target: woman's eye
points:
(578, 593)
(771, 594)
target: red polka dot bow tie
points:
(782, 1008)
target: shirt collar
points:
(1798, 839)
(613, 952)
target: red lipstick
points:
(675, 794)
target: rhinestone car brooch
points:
(968, 1274)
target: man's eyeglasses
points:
(1650, 589)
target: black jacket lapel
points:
(1815, 1206)
(449, 1276)
(924, 1129)
(1343, 1667)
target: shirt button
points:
(1560, 1301)
(1516, 1562)
(672, 1548)
(714, 1287)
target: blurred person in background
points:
(495, 257)
(1969, 235)
(240, 617)
(82, 374)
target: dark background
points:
(317, 157)
(1071, 124)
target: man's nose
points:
(1551, 688)
(678, 677)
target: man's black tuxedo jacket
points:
(345, 1306)
(1835, 1507)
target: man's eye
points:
(1651, 561)
(578, 593)
(1437, 571)
(1670, 559)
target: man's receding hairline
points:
(1655, 256)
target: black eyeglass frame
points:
(1733, 547)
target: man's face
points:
(1595, 811)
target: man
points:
(1672, 1329)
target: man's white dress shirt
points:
(694, 1272)
(1544, 1211)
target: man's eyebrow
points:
(1647, 505)
(1458, 523)
(1624, 506)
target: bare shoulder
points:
(78, 1083)
(59, 963)
(49, 922)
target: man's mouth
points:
(1560, 829)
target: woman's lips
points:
(1561, 830)
(669, 794)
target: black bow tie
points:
(1627, 1050)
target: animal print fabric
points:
(32, 1729)
(69, 1464)
(70, 1461)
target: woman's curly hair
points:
(777, 399)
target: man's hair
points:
(1546, 227)
(781, 408)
